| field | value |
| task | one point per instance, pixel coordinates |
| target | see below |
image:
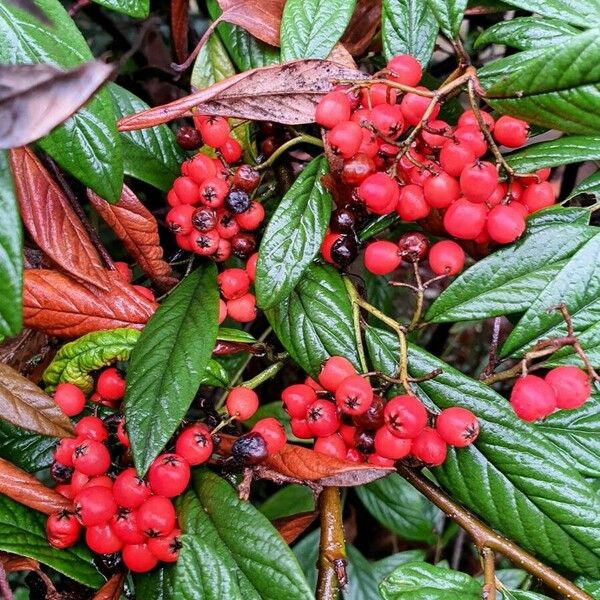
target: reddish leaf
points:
(290, 528)
(52, 222)
(362, 27)
(112, 589)
(261, 18)
(286, 93)
(179, 28)
(13, 563)
(137, 228)
(26, 489)
(60, 306)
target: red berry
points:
(186, 190)
(130, 490)
(214, 131)
(242, 403)
(124, 271)
(468, 119)
(380, 193)
(92, 428)
(511, 132)
(369, 145)
(429, 447)
(405, 69)
(204, 243)
(233, 283)
(380, 461)
(405, 416)
(478, 181)
(414, 106)
(334, 371)
(69, 398)
(505, 223)
(354, 395)
(532, 398)
(64, 450)
(411, 204)
(332, 109)
(212, 192)
(455, 156)
(101, 539)
(345, 139)
(457, 426)
(125, 526)
(222, 311)
(357, 169)
(172, 198)
(441, 190)
(184, 242)
(387, 120)
(473, 138)
(227, 226)
(169, 475)
(64, 489)
(331, 445)
(122, 434)
(179, 219)
(348, 433)
(377, 93)
(195, 444)
(91, 458)
(465, 220)
(538, 196)
(353, 455)
(252, 218)
(99, 481)
(242, 309)
(201, 167)
(382, 257)
(296, 399)
(446, 258)
(62, 529)
(300, 428)
(166, 548)
(94, 506)
(138, 558)
(273, 433)
(322, 418)
(231, 150)
(571, 386)
(111, 385)
(78, 481)
(390, 446)
(156, 516)
(251, 266)
(327, 244)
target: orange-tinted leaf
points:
(112, 589)
(179, 28)
(52, 222)
(26, 489)
(136, 227)
(286, 93)
(362, 27)
(13, 563)
(290, 528)
(60, 306)
(261, 18)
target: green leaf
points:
(287, 501)
(151, 155)
(294, 235)
(230, 334)
(230, 550)
(315, 321)
(11, 254)
(74, 362)
(311, 28)
(87, 144)
(22, 532)
(449, 15)
(408, 27)
(168, 363)
(590, 185)
(527, 490)
(556, 215)
(28, 450)
(400, 508)
(591, 586)
(509, 280)
(138, 9)
(526, 33)
(583, 13)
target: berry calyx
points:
(354, 395)
(322, 418)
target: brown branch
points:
(484, 537)
(489, 574)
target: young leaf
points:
(294, 235)
(29, 451)
(449, 15)
(408, 27)
(138, 9)
(11, 248)
(230, 550)
(75, 361)
(531, 494)
(583, 13)
(311, 28)
(168, 363)
(315, 321)
(362, 27)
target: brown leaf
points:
(179, 28)
(112, 589)
(60, 306)
(13, 563)
(26, 489)
(52, 222)
(24, 404)
(362, 27)
(36, 98)
(286, 93)
(261, 18)
(290, 528)
(340, 55)
(18, 351)
(137, 228)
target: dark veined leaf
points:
(151, 155)
(137, 9)
(288, 500)
(590, 185)
(168, 363)
(528, 491)
(556, 215)
(449, 15)
(74, 362)
(315, 321)
(583, 13)
(311, 28)
(29, 451)
(408, 27)
(400, 508)
(230, 550)
(11, 251)
(294, 235)
(22, 531)
(87, 145)
(525, 33)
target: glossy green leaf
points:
(28, 450)
(138, 9)
(557, 215)
(408, 27)
(230, 334)
(590, 185)
(591, 586)
(311, 28)
(75, 361)
(449, 15)
(151, 155)
(294, 235)
(22, 532)
(168, 363)
(287, 501)
(526, 489)
(583, 13)
(11, 254)
(400, 508)
(315, 321)
(230, 550)
(87, 144)
(525, 33)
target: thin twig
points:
(185, 65)
(489, 574)
(419, 299)
(353, 294)
(493, 356)
(301, 139)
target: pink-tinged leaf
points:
(261, 18)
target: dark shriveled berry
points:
(413, 246)
(204, 219)
(343, 220)
(246, 178)
(243, 244)
(344, 250)
(189, 138)
(365, 441)
(237, 201)
(249, 449)
(373, 418)
(61, 473)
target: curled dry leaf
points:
(112, 589)
(58, 305)
(29, 491)
(137, 228)
(36, 98)
(362, 27)
(286, 93)
(292, 527)
(24, 404)
(13, 563)
(52, 222)
(261, 18)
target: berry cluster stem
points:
(301, 139)
(353, 294)
(263, 376)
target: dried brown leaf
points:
(286, 93)
(179, 28)
(340, 55)
(52, 222)
(36, 98)
(362, 27)
(58, 305)
(112, 589)
(261, 18)
(18, 351)
(24, 404)
(137, 228)
(292, 527)
(13, 563)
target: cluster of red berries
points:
(212, 212)
(443, 169)
(534, 397)
(237, 302)
(351, 422)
